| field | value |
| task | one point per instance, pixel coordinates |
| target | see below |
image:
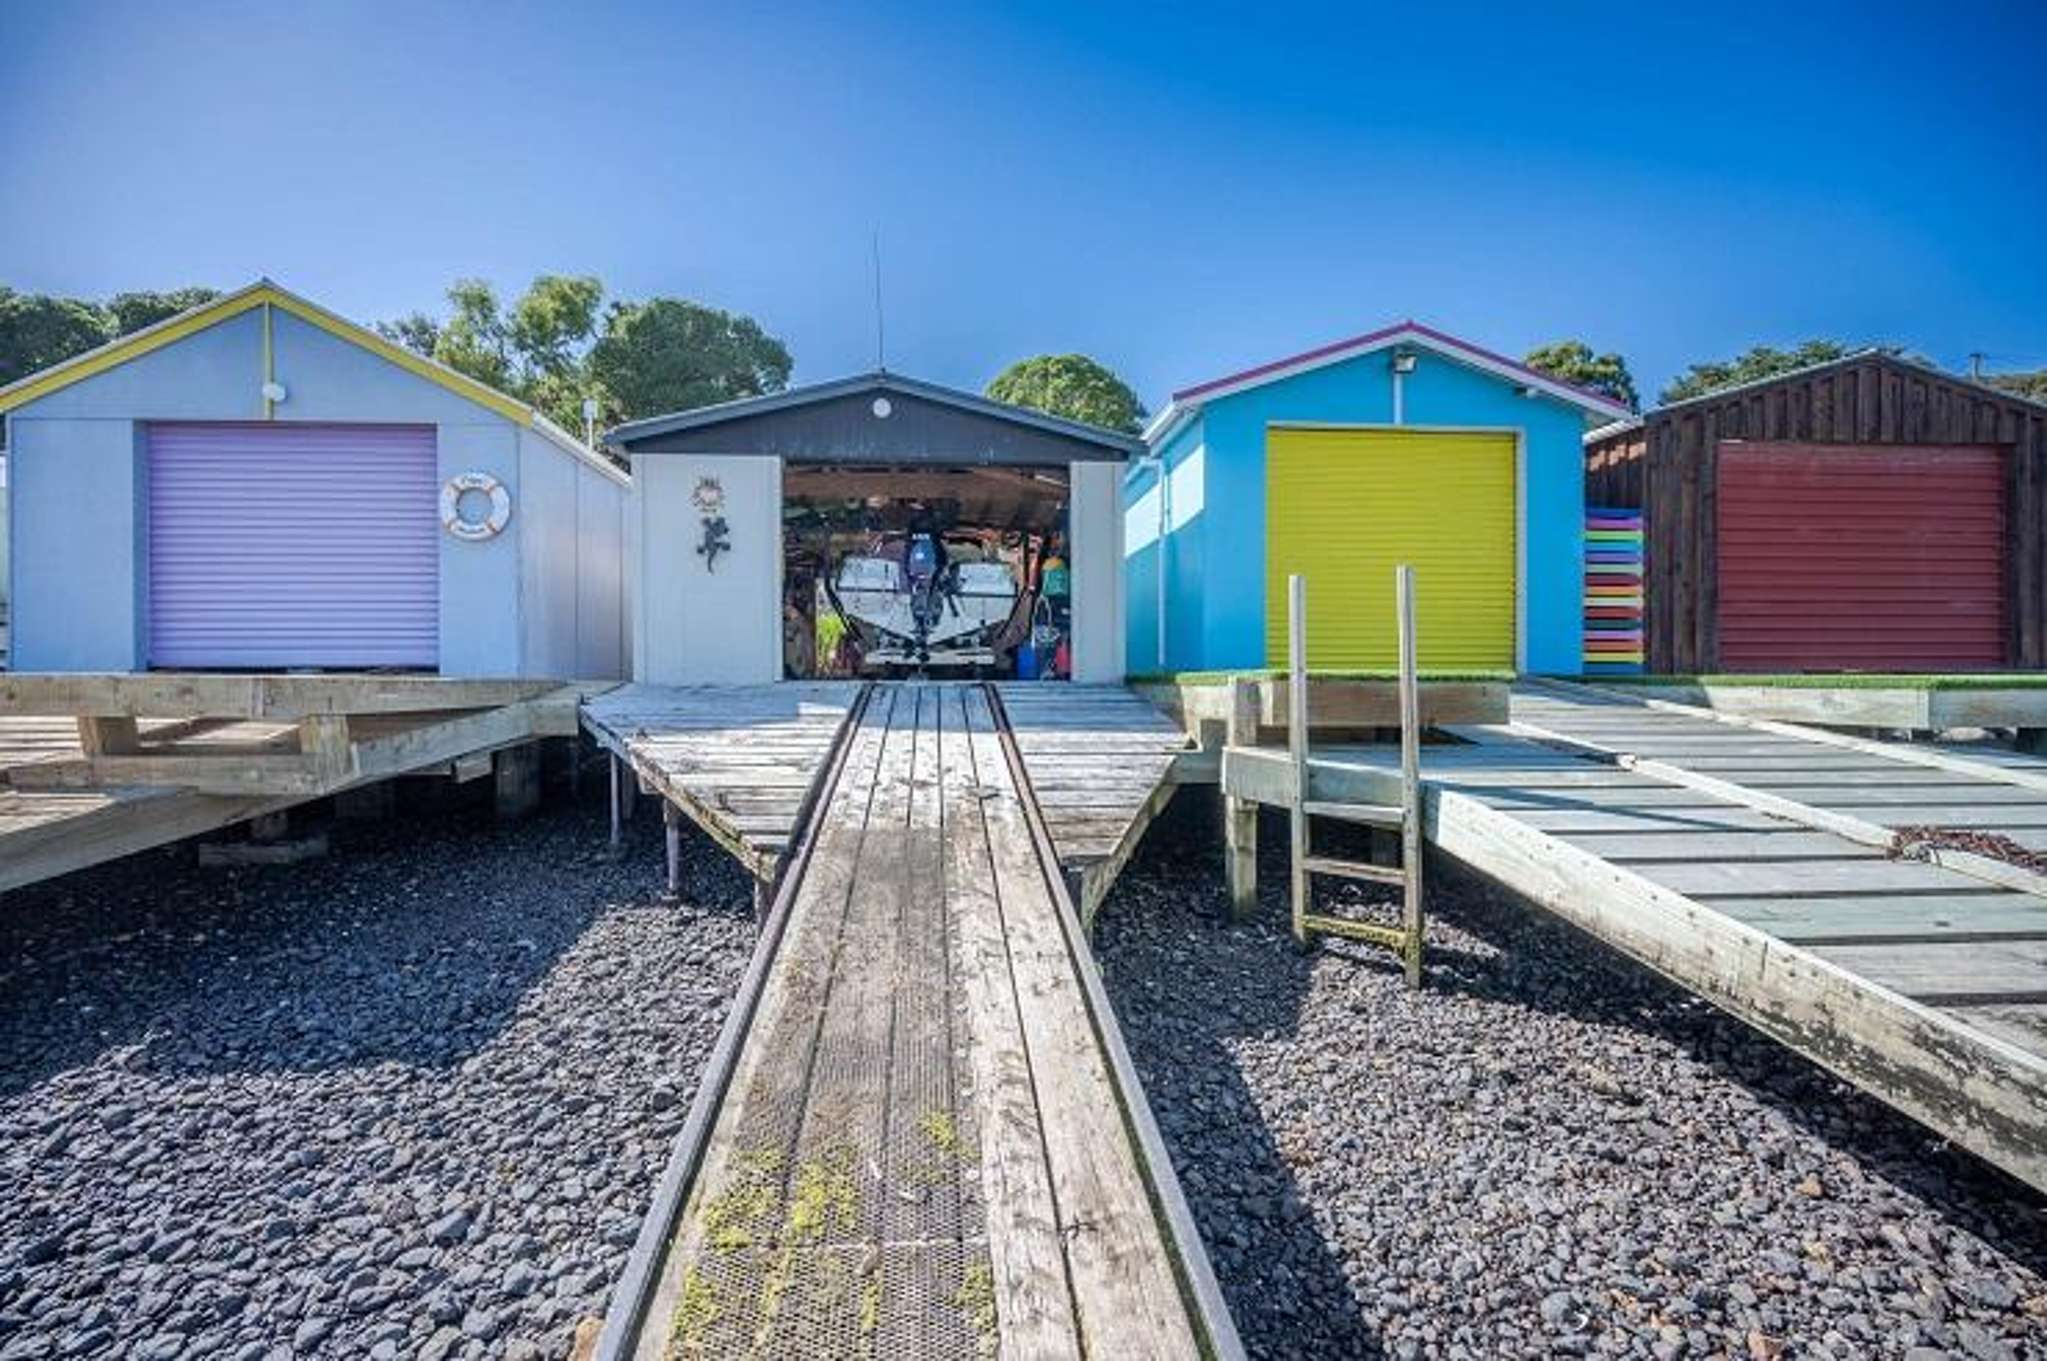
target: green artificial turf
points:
(1280, 673)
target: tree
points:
(133, 311)
(476, 340)
(666, 354)
(1073, 386)
(38, 330)
(1574, 362)
(416, 331)
(1763, 361)
(2033, 385)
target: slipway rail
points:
(920, 1134)
(1764, 871)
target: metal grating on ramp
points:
(925, 1147)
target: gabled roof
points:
(264, 293)
(1189, 400)
(1867, 354)
(648, 433)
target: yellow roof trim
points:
(173, 329)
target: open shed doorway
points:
(926, 571)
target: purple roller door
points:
(277, 545)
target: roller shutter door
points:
(1849, 557)
(279, 545)
(1344, 507)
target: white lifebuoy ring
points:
(460, 485)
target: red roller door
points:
(1852, 557)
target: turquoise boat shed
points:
(1403, 444)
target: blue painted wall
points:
(1185, 460)
(1217, 607)
(79, 551)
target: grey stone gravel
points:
(1548, 1151)
(410, 1100)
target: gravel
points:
(1547, 1151)
(407, 1101)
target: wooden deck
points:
(202, 752)
(1100, 761)
(737, 760)
(925, 1143)
(1754, 869)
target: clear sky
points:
(1180, 191)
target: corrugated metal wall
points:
(1668, 467)
(281, 545)
(1345, 507)
(1870, 558)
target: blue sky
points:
(1180, 190)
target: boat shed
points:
(743, 510)
(258, 484)
(1866, 514)
(1404, 445)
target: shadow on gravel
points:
(413, 942)
(1192, 991)
(1971, 1194)
(1283, 1281)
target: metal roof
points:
(641, 433)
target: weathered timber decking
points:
(1758, 884)
(1099, 759)
(206, 752)
(737, 760)
(923, 1147)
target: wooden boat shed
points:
(1867, 514)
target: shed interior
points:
(926, 570)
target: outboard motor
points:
(924, 570)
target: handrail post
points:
(1297, 749)
(1410, 777)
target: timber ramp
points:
(920, 1135)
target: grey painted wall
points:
(543, 598)
(694, 624)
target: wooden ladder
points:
(1404, 817)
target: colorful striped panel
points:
(1613, 602)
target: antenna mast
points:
(880, 330)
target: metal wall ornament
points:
(708, 496)
(462, 527)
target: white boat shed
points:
(876, 440)
(258, 484)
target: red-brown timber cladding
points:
(1668, 467)
(1870, 557)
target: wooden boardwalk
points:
(926, 1141)
(193, 753)
(1746, 866)
(739, 761)
(1100, 760)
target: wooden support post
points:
(2032, 741)
(109, 736)
(1410, 778)
(1240, 816)
(270, 826)
(617, 805)
(763, 899)
(516, 770)
(671, 820)
(1297, 750)
(323, 741)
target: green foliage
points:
(416, 331)
(1764, 361)
(133, 311)
(37, 330)
(666, 354)
(1574, 362)
(2033, 385)
(1073, 386)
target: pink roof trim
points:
(1598, 400)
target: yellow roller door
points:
(1344, 507)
